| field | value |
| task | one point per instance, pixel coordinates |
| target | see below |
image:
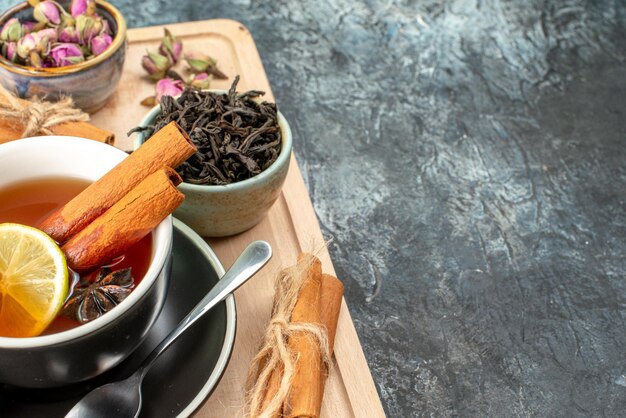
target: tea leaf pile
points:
(237, 137)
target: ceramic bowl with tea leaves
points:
(219, 210)
(89, 83)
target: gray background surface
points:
(468, 157)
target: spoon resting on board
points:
(122, 399)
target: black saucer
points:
(186, 374)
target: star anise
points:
(91, 300)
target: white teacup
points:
(88, 350)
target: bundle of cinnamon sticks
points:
(12, 128)
(125, 204)
(288, 375)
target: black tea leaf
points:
(237, 137)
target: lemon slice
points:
(33, 280)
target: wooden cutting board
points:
(290, 227)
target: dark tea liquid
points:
(30, 202)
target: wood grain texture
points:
(291, 226)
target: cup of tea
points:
(38, 176)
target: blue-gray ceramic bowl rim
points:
(231, 323)
(118, 42)
(283, 157)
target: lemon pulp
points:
(33, 280)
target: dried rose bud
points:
(106, 28)
(88, 27)
(199, 62)
(33, 44)
(47, 12)
(28, 27)
(156, 65)
(12, 31)
(168, 87)
(9, 50)
(200, 81)
(149, 65)
(100, 43)
(83, 7)
(69, 34)
(25, 45)
(66, 54)
(170, 47)
(45, 38)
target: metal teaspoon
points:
(122, 399)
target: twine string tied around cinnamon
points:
(39, 116)
(275, 352)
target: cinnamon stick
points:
(169, 147)
(331, 298)
(10, 130)
(305, 388)
(126, 222)
(306, 309)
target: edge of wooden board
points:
(351, 362)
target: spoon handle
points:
(245, 266)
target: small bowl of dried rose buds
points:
(70, 48)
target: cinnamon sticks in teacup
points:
(288, 374)
(125, 204)
(126, 222)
